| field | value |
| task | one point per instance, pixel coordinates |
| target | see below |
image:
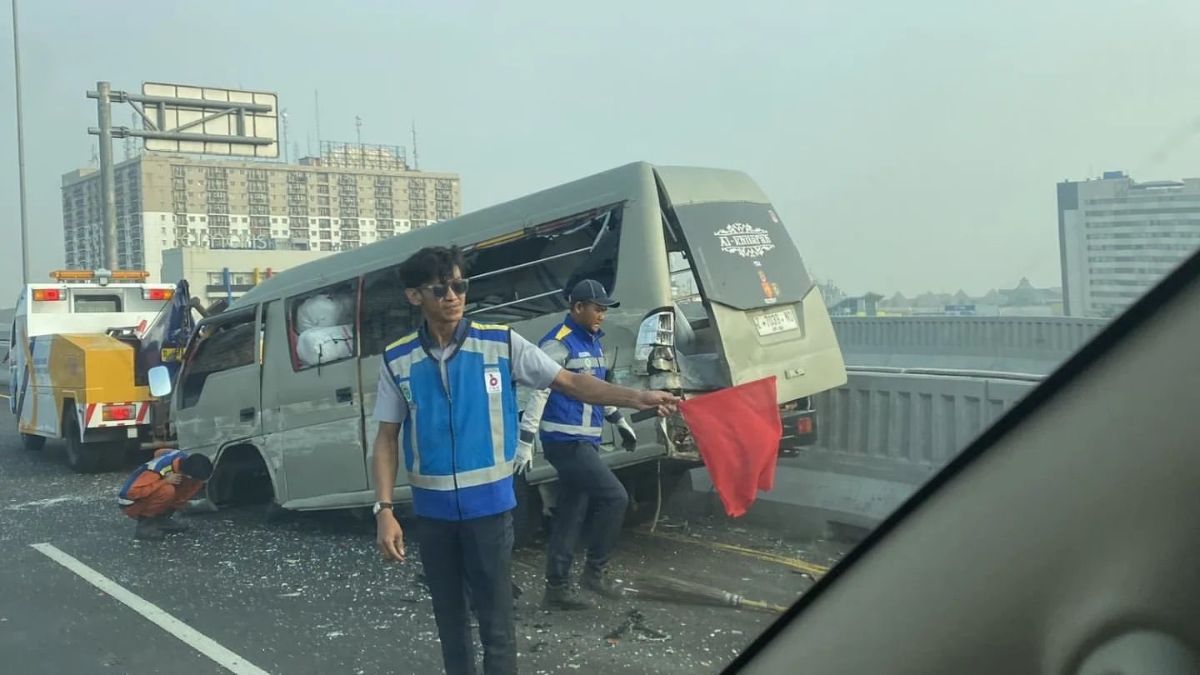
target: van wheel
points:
(84, 457)
(33, 443)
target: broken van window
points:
(228, 346)
(386, 313)
(529, 277)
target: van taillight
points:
(655, 350)
(158, 294)
(804, 425)
(48, 294)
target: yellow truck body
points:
(80, 383)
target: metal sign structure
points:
(210, 121)
(182, 118)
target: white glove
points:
(628, 436)
(524, 459)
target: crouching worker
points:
(156, 489)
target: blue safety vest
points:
(161, 465)
(459, 441)
(565, 419)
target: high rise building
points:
(351, 196)
(1118, 237)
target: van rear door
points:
(766, 314)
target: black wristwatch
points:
(379, 506)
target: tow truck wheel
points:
(33, 443)
(83, 457)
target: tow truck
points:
(78, 363)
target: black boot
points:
(147, 528)
(167, 523)
(599, 583)
(564, 597)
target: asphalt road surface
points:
(311, 594)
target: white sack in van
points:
(325, 345)
(319, 311)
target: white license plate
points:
(776, 322)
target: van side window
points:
(387, 315)
(531, 276)
(322, 325)
(229, 346)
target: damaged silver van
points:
(279, 389)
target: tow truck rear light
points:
(158, 293)
(48, 294)
(118, 413)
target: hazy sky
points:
(909, 145)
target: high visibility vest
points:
(162, 465)
(565, 419)
(459, 440)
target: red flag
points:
(737, 431)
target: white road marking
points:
(50, 501)
(190, 636)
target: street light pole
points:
(107, 197)
(20, 151)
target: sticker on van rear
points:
(745, 240)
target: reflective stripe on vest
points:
(459, 461)
(161, 465)
(565, 419)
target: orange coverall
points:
(152, 496)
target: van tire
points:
(33, 442)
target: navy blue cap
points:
(590, 290)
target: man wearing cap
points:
(570, 431)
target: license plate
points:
(776, 322)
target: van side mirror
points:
(160, 381)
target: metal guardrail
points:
(919, 417)
(1006, 344)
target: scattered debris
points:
(635, 623)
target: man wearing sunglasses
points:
(571, 431)
(447, 394)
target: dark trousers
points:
(585, 483)
(472, 556)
